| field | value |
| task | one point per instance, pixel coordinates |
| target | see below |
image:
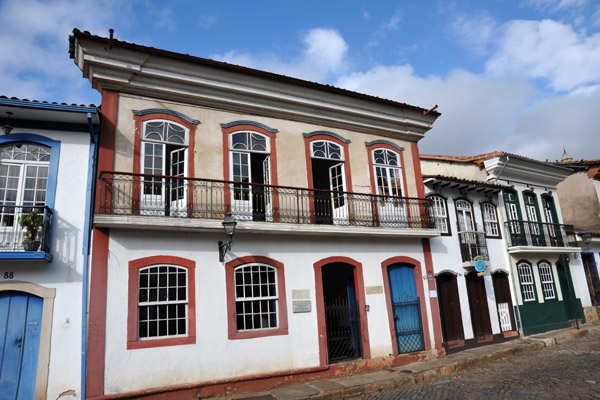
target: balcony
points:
(13, 245)
(539, 236)
(180, 203)
(473, 244)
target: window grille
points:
(162, 301)
(249, 141)
(329, 150)
(164, 131)
(440, 213)
(547, 281)
(255, 297)
(526, 277)
(490, 219)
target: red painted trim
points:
(433, 301)
(282, 303)
(360, 298)
(97, 314)
(273, 154)
(418, 275)
(132, 304)
(106, 144)
(417, 167)
(137, 151)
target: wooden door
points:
(21, 322)
(503, 302)
(480, 315)
(406, 308)
(450, 314)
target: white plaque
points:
(433, 293)
(301, 306)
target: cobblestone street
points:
(565, 371)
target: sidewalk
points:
(409, 374)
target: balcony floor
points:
(543, 249)
(210, 225)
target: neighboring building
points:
(476, 308)
(579, 196)
(46, 175)
(547, 283)
(330, 259)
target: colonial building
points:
(330, 260)
(579, 196)
(476, 306)
(47, 153)
(547, 282)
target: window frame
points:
(282, 317)
(482, 205)
(551, 282)
(456, 209)
(133, 340)
(447, 217)
(522, 285)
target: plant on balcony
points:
(31, 221)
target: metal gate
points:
(407, 318)
(343, 329)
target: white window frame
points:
(440, 213)
(251, 302)
(464, 208)
(526, 279)
(546, 277)
(162, 318)
(490, 219)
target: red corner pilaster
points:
(433, 301)
(106, 148)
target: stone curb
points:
(369, 383)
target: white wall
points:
(65, 271)
(214, 357)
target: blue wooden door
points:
(354, 317)
(406, 308)
(20, 327)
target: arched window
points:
(546, 277)
(464, 215)
(249, 155)
(526, 280)
(164, 153)
(327, 150)
(439, 212)
(388, 172)
(490, 220)
(161, 300)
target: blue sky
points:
(519, 76)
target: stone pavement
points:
(463, 374)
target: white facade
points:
(59, 282)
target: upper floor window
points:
(545, 270)
(464, 213)
(526, 279)
(326, 149)
(439, 212)
(388, 172)
(249, 141)
(490, 220)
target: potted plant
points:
(31, 221)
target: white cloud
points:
(207, 21)
(475, 32)
(549, 50)
(325, 54)
(555, 5)
(34, 46)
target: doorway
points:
(503, 302)
(21, 315)
(342, 319)
(329, 180)
(406, 308)
(450, 313)
(480, 314)
(591, 272)
(566, 286)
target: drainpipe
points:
(87, 230)
(512, 276)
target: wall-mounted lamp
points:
(229, 226)
(7, 128)
(587, 240)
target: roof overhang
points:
(464, 185)
(513, 168)
(139, 70)
(24, 110)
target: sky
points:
(520, 76)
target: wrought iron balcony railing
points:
(14, 237)
(473, 244)
(157, 195)
(539, 234)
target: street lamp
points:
(229, 226)
(7, 128)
